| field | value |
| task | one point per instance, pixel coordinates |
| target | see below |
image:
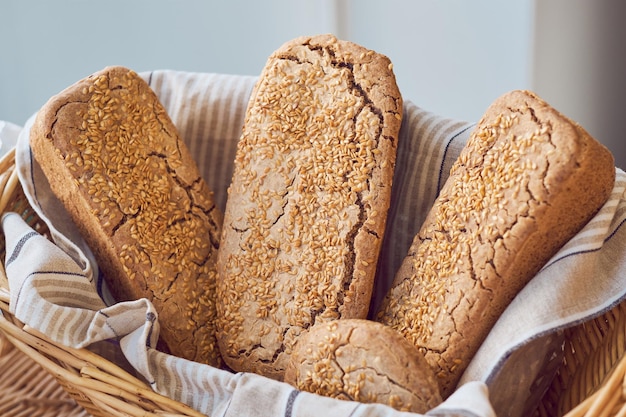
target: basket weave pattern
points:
(591, 381)
(27, 390)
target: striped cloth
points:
(56, 287)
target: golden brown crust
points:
(307, 204)
(527, 181)
(365, 361)
(114, 158)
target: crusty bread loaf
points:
(365, 361)
(114, 158)
(307, 205)
(528, 179)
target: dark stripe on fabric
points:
(32, 175)
(353, 412)
(610, 236)
(565, 325)
(445, 154)
(149, 80)
(150, 318)
(581, 252)
(106, 322)
(290, 400)
(620, 213)
(18, 247)
(100, 284)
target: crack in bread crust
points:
(307, 203)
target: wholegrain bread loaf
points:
(307, 205)
(365, 361)
(115, 160)
(527, 181)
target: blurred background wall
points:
(579, 65)
(452, 57)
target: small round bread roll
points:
(365, 361)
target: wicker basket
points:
(590, 380)
(26, 389)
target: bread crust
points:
(115, 160)
(365, 361)
(527, 181)
(307, 205)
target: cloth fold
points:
(56, 287)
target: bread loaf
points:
(365, 361)
(527, 181)
(307, 205)
(114, 158)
